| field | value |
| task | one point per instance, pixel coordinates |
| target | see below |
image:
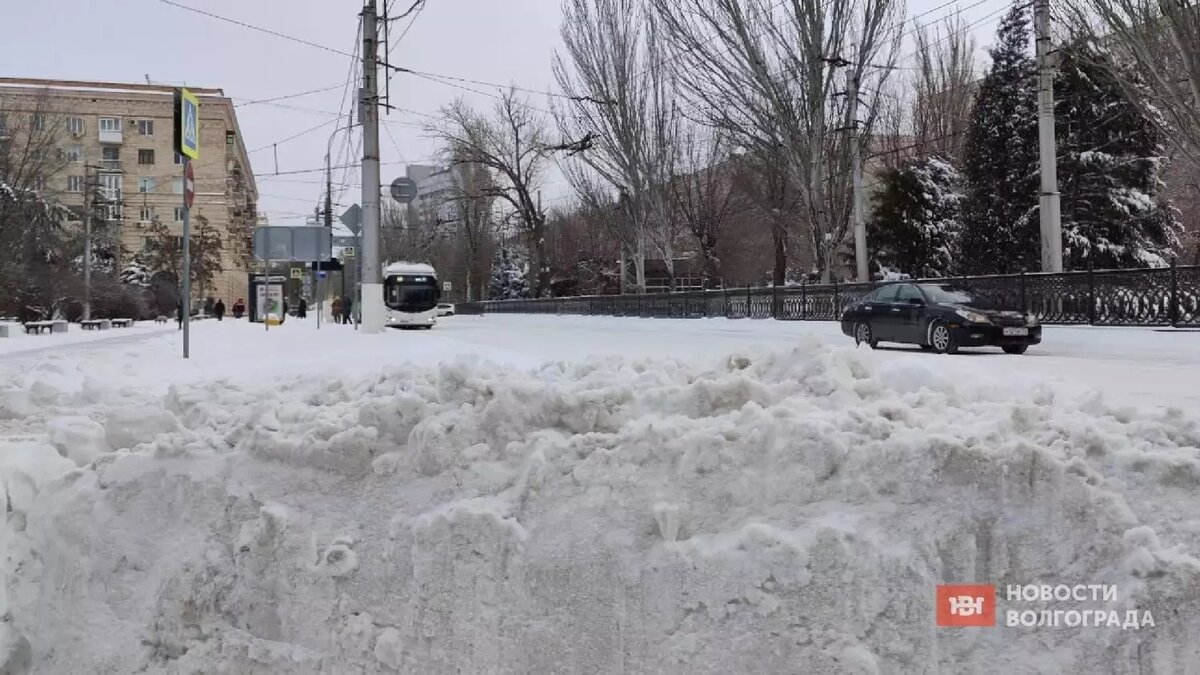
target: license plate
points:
(1016, 331)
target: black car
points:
(938, 317)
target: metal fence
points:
(1167, 296)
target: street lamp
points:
(328, 211)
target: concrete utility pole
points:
(88, 186)
(372, 307)
(860, 224)
(1048, 202)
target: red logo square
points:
(966, 605)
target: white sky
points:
(502, 41)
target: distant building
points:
(434, 202)
(120, 136)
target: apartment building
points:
(119, 137)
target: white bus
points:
(411, 292)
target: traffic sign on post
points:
(404, 190)
(446, 286)
(348, 252)
(297, 273)
(189, 185)
(187, 124)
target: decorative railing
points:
(1166, 296)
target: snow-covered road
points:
(537, 494)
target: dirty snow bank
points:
(785, 512)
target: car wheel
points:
(941, 340)
(862, 333)
(1015, 349)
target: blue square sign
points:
(188, 118)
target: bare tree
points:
(1162, 39)
(772, 74)
(622, 102)
(702, 196)
(511, 145)
(944, 88)
(474, 201)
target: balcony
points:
(107, 136)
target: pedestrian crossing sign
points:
(187, 124)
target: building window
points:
(74, 183)
(38, 183)
(110, 156)
(146, 127)
(178, 185)
(39, 122)
(110, 124)
(146, 214)
(71, 153)
(145, 156)
(75, 125)
(178, 159)
(146, 184)
(39, 154)
(179, 214)
(110, 186)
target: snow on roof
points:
(102, 87)
(409, 268)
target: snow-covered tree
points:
(915, 223)
(1000, 224)
(508, 280)
(136, 273)
(1109, 161)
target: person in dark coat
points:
(302, 313)
(239, 308)
(219, 309)
(336, 308)
(348, 310)
(179, 314)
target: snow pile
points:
(785, 512)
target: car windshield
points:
(947, 294)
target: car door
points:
(907, 313)
(883, 323)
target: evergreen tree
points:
(1109, 161)
(136, 273)
(508, 280)
(915, 223)
(1000, 223)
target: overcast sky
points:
(503, 41)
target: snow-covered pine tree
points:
(508, 281)
(915, 223)
(1000, 225)
(136, 273)
(1109, 160)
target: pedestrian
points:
(239, 308)
(303, 311)
(337, 310)
(283, 316)
(179, 314)
(348, 310)
(219, 309)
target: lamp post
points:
(329, 213)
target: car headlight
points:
(973, 317)
(1031, 319)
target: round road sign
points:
(404, 190)
(189, 185)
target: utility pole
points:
(372, 307)
(860, 224)
(87, 241)
(1048, 202)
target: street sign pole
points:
(187, 144)
(186, 303)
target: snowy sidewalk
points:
(20, 343)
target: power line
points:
(287, 96)
(293, 136)
(260, 29)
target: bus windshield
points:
(410, 293)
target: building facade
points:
(114, 145)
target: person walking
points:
(219, 309)
(348, 310)
(302, 312)
(179, 314)
(337, 310)
(239, 308)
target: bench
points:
(95, 324)
(38, 327)
(122, 323)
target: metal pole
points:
(372, 307)
(87, 244)
(860, 224)
(186, 303)
(1048, 202)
